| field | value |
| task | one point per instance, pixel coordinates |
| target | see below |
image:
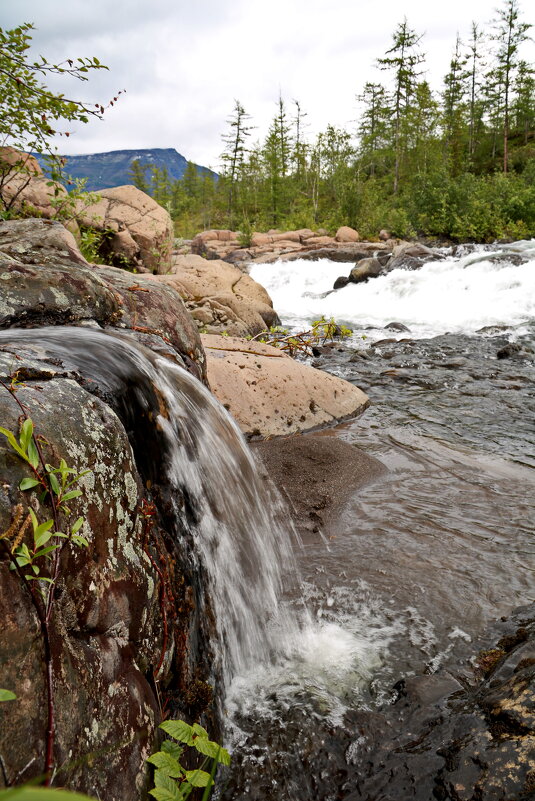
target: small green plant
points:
(172, 782)
(245, 235)
(303, 342)
(7, 695)
(38, 563)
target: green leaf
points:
(44, 551)
(166, 794)
(78, 523)
(28, 483)
(206, 747)
(169, 747)
(199, 731)
(54, 483)
(179, 730)
(71, 494)
(26, 432)
(198, 778)
(13, 442)
(166, 763)
(164, 781)
(42, 533)
(40, 794)
(7, 695)
(81, 541)
(33, 456)
(35, 522)
(213, 750)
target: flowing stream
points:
(314, 633)
(421, 561)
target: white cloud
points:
(183, 63)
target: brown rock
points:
(269, 394)
(347, 234)
(364, 269)
(128, 208)
(227, 236)
(319, 473)
(240, 306)
(257, 240)
(206, 236)
(287, 236)
(24, 187)
(46, 281)
(305, 233)
(320, 241)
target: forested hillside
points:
(455, 161)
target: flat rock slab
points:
(271, 395)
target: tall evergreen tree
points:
(235, 149)
(509, 34)
(374, 124)
(402, 60)
(455, 107)
(474, 65)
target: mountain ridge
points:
(111, 168)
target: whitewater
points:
(458, 293)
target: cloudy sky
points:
(184, 62)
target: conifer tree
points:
(509, 34)
(402, 60)
(235, 149)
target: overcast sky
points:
(184, 62)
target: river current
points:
(418, 563)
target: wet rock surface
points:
(45, 280)
(461, 378)
(473, 739)
(458, 735)
(126, 607)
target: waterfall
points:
(175, 424)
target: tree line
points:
(457, 163)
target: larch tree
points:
(509, 34)
(402, 60)
(235, 149)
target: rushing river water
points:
(419, 562)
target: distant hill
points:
(104, 170)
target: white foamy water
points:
(456, 294)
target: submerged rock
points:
(455, 742)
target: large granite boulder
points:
(114, 632)
(220, 297)
(47, 281)
(269, 394)
(24, 188)
(347, 234)
(139, 231)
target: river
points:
(418, 563)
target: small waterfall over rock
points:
(176, 426)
